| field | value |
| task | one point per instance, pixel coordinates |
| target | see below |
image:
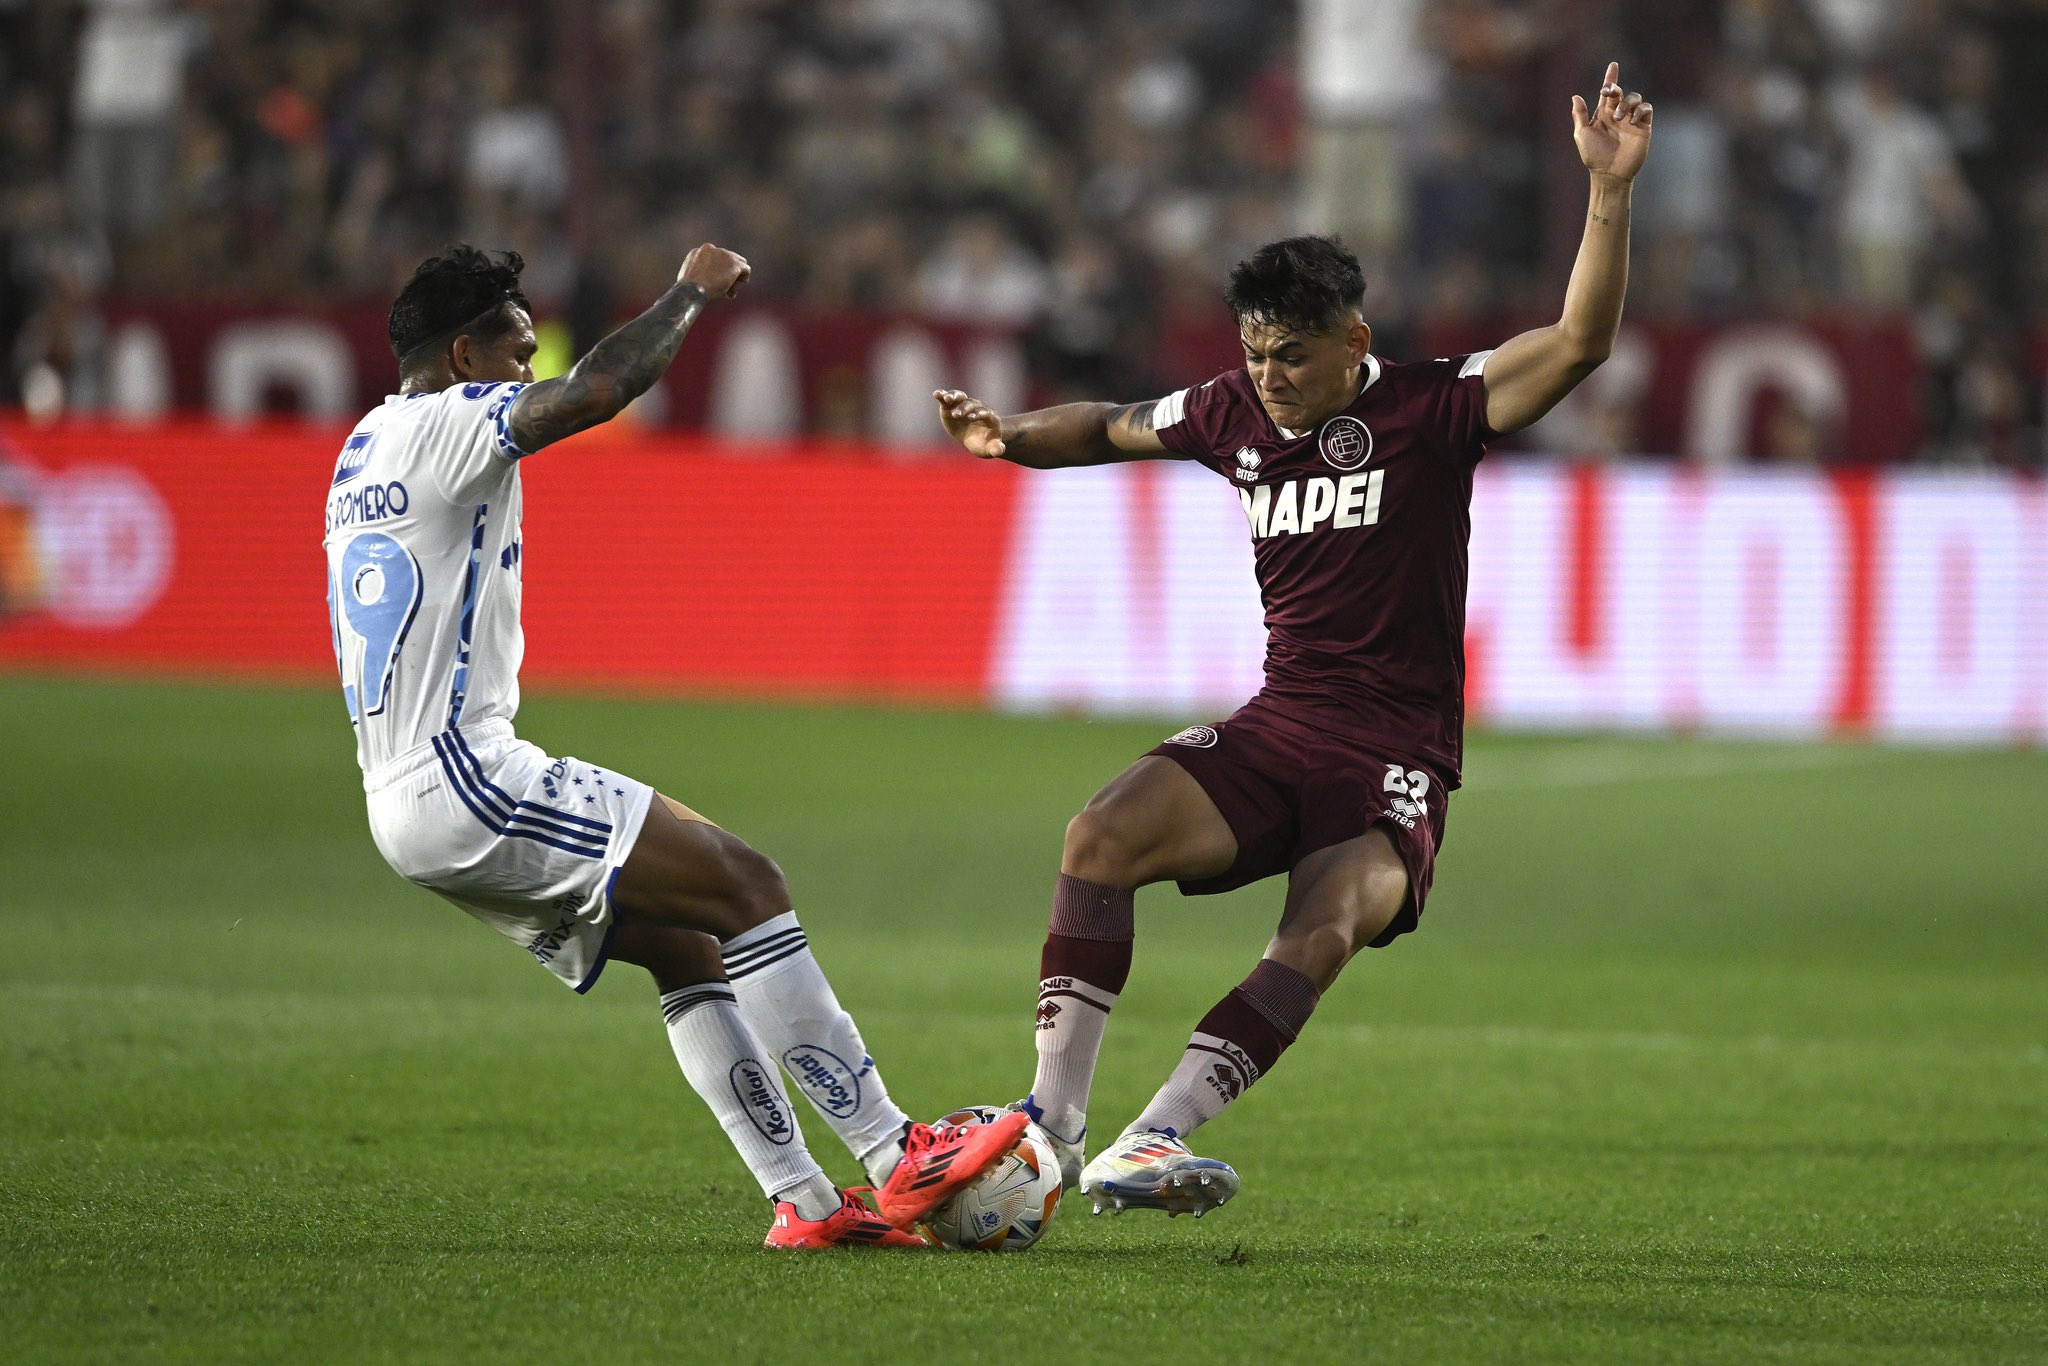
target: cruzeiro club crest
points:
(1346, 443)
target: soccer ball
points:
(1009, 1208)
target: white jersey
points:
(423, 568)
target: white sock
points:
(784, 995)
(727, 1066)
(1072, 1016)
(1211, 1074)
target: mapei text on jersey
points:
(1301, 505)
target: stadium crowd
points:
(1083, 170)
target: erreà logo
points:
(1346, 443)
(751, 1087)
(833, 1086)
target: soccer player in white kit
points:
(579, 864)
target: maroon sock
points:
(1086, 960)
(1263, 1014)
(1090, 934)
(1236, 1043)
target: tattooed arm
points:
(1052, 438)
(625, 364)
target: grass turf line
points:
(1706, 1051)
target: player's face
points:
(505, 358)
(1304, 377)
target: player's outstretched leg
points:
(1338, 901)
(686, 886)
(697, 874)
(784, 994)
(1237, 1042)
(1082, 969)
(728, 1068)
(786, 998)
(1151, 821)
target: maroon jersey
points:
(1359, 531)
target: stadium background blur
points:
(1724, 1038)
(1081, 174)
(1799, 496)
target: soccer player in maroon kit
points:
(1355, 474)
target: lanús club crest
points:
(1346, 443)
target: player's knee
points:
(1318, 952)
(755, 889)
(700, 877)
(1098, 848)
(676, 957)
(1320, 949)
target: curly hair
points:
(1303, 284)
(461, 290)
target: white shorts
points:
(526, 843)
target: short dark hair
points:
(1304, 284)
(461, 290)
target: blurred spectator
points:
(1095, 334)
(131, 64)
(1901, 188)
(516, 145)
(1085, 170)
(981, 273)
(52, 267)
(1369, 80)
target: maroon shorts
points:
(1289, 786)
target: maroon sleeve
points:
(1458, 393)
(1190, 422)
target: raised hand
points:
(716, 271)
(970, 422)
(1614, 136)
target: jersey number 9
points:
(375, 599)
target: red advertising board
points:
(1645, 597)
(676, 563)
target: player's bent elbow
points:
(533, 432)
(1583, 352)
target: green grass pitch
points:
(1706, 1052)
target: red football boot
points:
(938, 1163)
(853, 1224)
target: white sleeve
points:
(1475, 364)
(1168, 411)
(472, 439)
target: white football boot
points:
(1147, 1170)
(1070, 1154)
